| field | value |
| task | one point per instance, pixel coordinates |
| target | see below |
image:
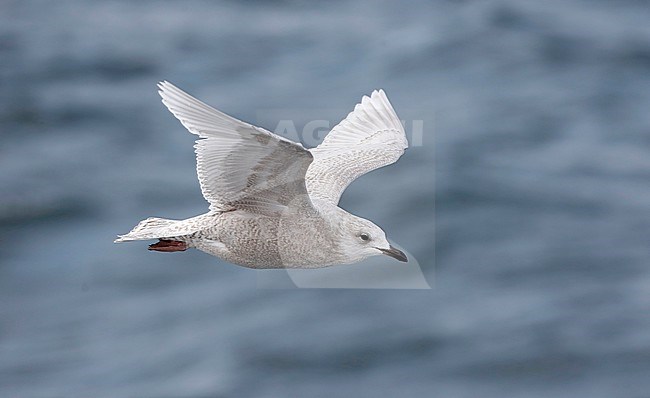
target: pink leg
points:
(168, 246)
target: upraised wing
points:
(370, 137)
(240, 166)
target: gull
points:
(274, 203)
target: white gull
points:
(273, 203)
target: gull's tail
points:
(154, 228)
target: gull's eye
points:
(364, 237)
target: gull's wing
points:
(240, 166)
(370, 137)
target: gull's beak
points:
(394, 253)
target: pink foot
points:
(168, 246)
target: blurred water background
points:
(536, 146)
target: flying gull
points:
(273, 203)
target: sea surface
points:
(525, 199)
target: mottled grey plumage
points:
(273, 203)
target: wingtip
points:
(161, 88)
(374, 94)
(165, 86)
(378, 93)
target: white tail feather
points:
(151, 228)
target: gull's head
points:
(362, 238)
